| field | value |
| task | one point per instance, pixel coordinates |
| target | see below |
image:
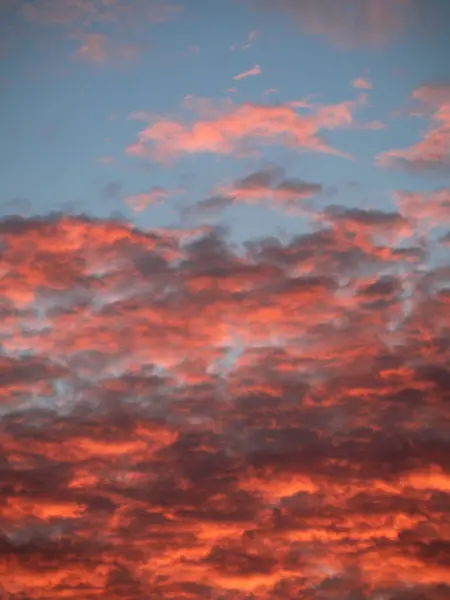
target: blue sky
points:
(61, 114)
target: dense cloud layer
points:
(186, 419)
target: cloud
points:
(239, 129)
(60, 13)
(250, 39)
(105, 160)
(433, 150)
(291, 190)
(192, 51)
(372, 22)
(88, 12)
(256, 70)
(98, 48)
(370, 219)
(271, 91)
(266, 186)
(445, 239)
(185, 418)
(270, 185)
(249, 43)
(426, 210)
(140, 201)
(362, 83)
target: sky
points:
(224, 300)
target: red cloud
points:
(181, 418)
(433, 150)
(237, 129)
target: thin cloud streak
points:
(256, 70)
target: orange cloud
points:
(256, 70)
(237, 129)
(188, 419)
(433, 150)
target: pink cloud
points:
(250, 39)
(61, 12)
(141, 201)
(271, 91)
(265, 186)
(426, 210)
(433, 150)
(67, 12)
(156, 195)
(433, 94)
(239, 129)
(99, 48)
(347, 22)
(362, 83)
(93, 47)
(256, 70)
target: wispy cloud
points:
(156, 195)
(362, 83)
(348, 22)
(433, 150)
(256, 70)
(98, 48)
(249, 43)
(87, 12)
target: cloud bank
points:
(184, 419)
